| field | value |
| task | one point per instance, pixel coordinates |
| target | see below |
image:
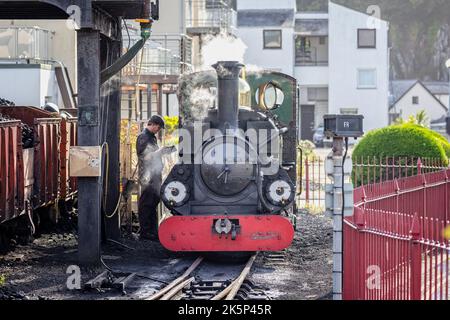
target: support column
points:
(160, 97)
(149, 100)
(112, 224)
(89, 189)
(159, 106)
(335, 195)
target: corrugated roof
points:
(266, 18)
(312, 27)
(437, 87)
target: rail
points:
(175, 288)
(25, 43)
(210, 14)
(164, 54)
(309, 57)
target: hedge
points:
(406, 142)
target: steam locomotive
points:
(234, 187)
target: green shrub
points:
(400, 145)
(441, 139)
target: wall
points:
(346, 59)
(28, 85)
(277, 59)
(427, 102)
(266, 4)
(312, 76)
(172, 17)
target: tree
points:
(420, 119)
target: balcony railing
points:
(168, 54)
(309, 57)
(212, 14)
(25, 43)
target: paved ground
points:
(38, 270)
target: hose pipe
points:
(113, 69)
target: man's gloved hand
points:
(168, 150)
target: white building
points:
(31, 52)
(409, 97)
(340, 58)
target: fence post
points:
(447, 180)
(419, 166)
(361, 270)
(307, 180)
(397, 195)
(416, 260)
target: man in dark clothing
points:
(150, 177)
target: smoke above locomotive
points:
(230, 170)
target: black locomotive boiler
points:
(230, 191)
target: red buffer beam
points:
(197, 234)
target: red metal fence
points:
(394, 245)
(313, 182)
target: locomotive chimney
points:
(228, 93)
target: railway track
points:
(194, 284)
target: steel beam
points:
(61, 9)
(152, 79)
(108, 25)
(89, 189)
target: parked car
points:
(319, 138)
(321, 141)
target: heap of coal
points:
(4, 102)
(27, 136)
(27, 132)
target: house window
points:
(272, 39)
(322, 41)
(367, 38)
(367, 79)
(317, 94)
(415, 100)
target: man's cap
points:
(157, 120)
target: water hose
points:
(108, 73)
(112, 70)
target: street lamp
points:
(447, 64)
